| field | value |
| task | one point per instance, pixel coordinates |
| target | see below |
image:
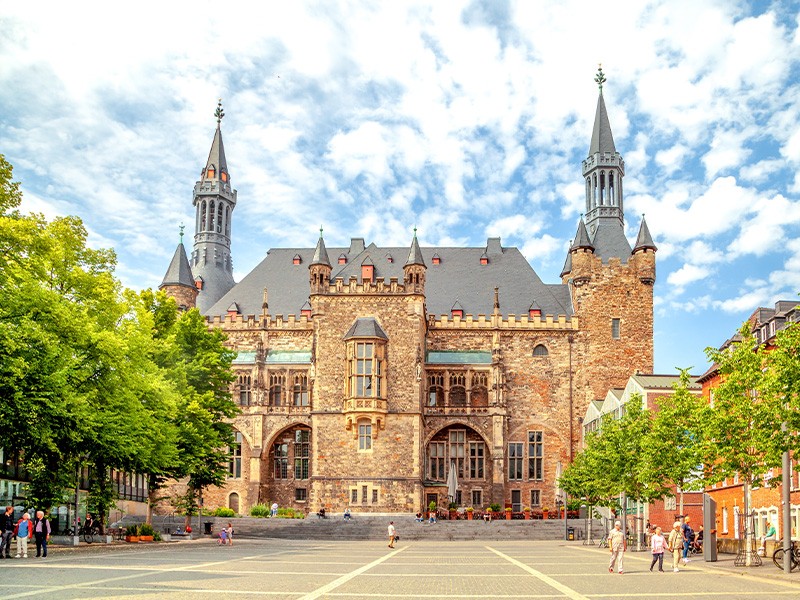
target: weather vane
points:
(600, 78)
(219, 113)
(181, 230)
(320, 231)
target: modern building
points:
(367, 373)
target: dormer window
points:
(367, 270)
(223, 176)
(211, 172)
(534, 310)
(198, 283)
(296, 260)
(457, 310)
(436, 259)
(342, 259)
(305, 310)
(389, 258)
(233, 309)
(484, 259)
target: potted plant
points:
(469, 513)
(508, 513)
(453, 508)
(146, 533)
(527, 512)
(545, 512)
(131, 533)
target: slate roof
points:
(652, 381)
(216, 157)
(582, 237)
(179, 271)
(459, 276)
(643, 240)
(366, 327)
(609, 240)
(602, 140)
(320, 253)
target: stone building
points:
(366, 373)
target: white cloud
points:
(672, 158)
(687, 274)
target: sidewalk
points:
(767, 570)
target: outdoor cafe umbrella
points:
(452, 482)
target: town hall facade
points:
(366, 373)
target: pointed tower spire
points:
(415, 254)
(214, 201)
(644, 241)
(178, 281)
(582, 240)
(320, 253)
(603, 171)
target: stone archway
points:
(286, 468)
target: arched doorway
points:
(458, 469)
(233, 502)
(286, 470)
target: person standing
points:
(657, 544)
(23, 531)
(229, 530)
(674, 544)
(391, 534)
(6, 532)
(616, 542)
(688, 535)
(41, 531)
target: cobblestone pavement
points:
(294, 570)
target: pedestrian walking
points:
(674, 544)
(6, 532)
(616, 542)
(392, 533)
(657, 545)
(23, 533)
(688, 535)
(41, 531)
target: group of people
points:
(678, 542)
(226, 535)
(24, 529)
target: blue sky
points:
(465, 119)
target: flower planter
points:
(145, 538)
(134, 539)
(508, 515)
(545, 514)
(469, 515)
(527, 514)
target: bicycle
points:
(89, 533)
(777, 556)
(603, 543)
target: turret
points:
(214, 201)
(178, 282)
(644, 255)
(414, 269)
(319, 270)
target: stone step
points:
(364, 527)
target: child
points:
(223, 537)
(657, 544)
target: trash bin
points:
(570, 533)
(208, 527)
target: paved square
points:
(305, 570)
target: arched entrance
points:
(233, 502)
(286, 468)
(458, 469)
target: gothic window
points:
(458, 390)
(435, 389)
(219, 219)
(213, 211)
(515, 458)
(458, 439)
(479, 393)
(203, 211)
(364, 435)
(235, 457)
(436, 458)
(245, 390)
(366, 370)
(535, 455)
(228, 221)
(540, 350)
(302, 452)
(615, 329)
(276, 382)
(300, 391)
(281, 460)
(476, 458)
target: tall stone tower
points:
(214, 201)
(611, 284)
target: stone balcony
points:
(371, 409)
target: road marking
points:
(567, 591)
(345, 578)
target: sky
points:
(464, 119)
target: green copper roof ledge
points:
(458, 357)
(289, 357)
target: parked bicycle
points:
(89, 532)
(777, 556)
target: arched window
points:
(235, 457)
(213, 211)
(436, 389)
(203, 212)
(479, 392)
(300, 390)
(540, 350)
(219, 219)
(276, 383)
(458, 390)
(233, 502)
(228, 221)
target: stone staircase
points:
(373, 526)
